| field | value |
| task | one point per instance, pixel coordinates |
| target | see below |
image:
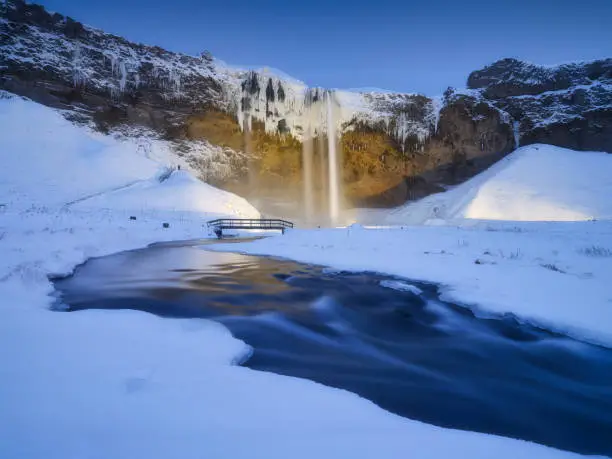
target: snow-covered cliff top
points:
(36, 43)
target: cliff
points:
(394, 146)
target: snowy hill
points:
(534, 183)
(51, 162)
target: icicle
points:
(516, 128)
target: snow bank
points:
(48, 161)
(534, 183)
(180, 191)
(124, 384)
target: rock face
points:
(568, 105)
(394, 146)
(59, 62)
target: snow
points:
(298, 112)
(402, 286)
(79, 61)
(179, 192)
(531, 236)
(76, 166)
(534, 183)
(104, 63)
(125, 384)
(554, 275)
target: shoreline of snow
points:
(551, 275)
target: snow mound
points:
(534, 183)
(47, 161)
(180, 191)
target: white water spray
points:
(334, 189)
(248, 149)
(307, 160)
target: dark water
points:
(408, 352)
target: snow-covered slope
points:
(534, 183)
(48, 161)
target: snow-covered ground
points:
(556, 275)
(534, 183)
(531, 236)
(123, 384)
(49, 162)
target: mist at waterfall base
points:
(318, 200)
(321, 199)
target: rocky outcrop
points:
(57, 61)
(395, 146)
(568, 105)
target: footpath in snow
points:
(125, 384)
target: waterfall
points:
(322, 175)
(251, 177)
(311, 116)
(307, 166)
(334, 188)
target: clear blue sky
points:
(411, 46)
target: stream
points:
(389, 340)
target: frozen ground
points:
(121, 384)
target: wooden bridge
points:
(248, 224)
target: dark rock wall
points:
(58, 62)
(568, 105)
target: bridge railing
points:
(250, 223)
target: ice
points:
(403, 286)
(516, 129)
